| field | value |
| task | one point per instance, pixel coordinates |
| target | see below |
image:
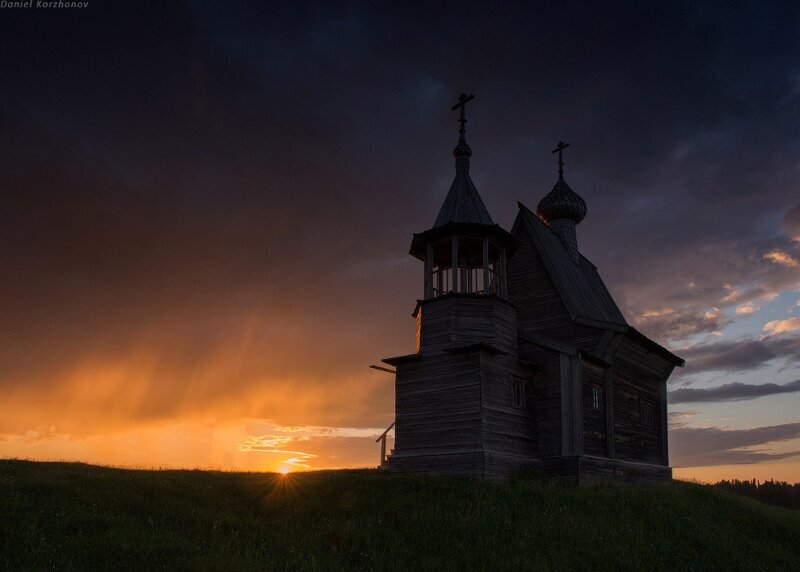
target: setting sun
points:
(284, 470)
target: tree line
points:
(779, 493)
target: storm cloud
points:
(707, 446)
(741, 354)
(207, 207)
(731, 392)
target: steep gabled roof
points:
(463, 204)
(584, 294)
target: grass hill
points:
(76, 516)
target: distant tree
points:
(779, 493)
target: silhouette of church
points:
(523, 357)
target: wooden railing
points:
(471, 280)
(382, 440)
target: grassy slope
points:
(56, 515)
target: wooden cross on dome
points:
(560, 150)
(462, 104)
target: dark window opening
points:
(597, 397)
(517, 392)
(442, 268)
(646, 413)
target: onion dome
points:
(561, 203)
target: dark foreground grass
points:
(75, 516)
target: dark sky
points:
(206, 208)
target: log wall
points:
(463, 319)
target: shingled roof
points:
(463, 211)
(580, 286)
(463, 204)
(585, 296)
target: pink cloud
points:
(781, 326)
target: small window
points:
(517, 392)
(646, 413)
(597, 397)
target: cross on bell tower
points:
(462, 152)
(463, 99)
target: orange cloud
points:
(781, 326)
(657, 313)
(783, 258)
(748, 308)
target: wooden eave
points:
(655, 347)
(462, 229)
(402, 359)
(479, 346)
(619, 328)
(421, 302)
(589, 356)
(547, 342)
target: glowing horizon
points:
(205, 234)
(233, 447)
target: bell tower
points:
(465, 370)
(464, 251)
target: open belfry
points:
(523, 358)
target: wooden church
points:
(523, 358)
